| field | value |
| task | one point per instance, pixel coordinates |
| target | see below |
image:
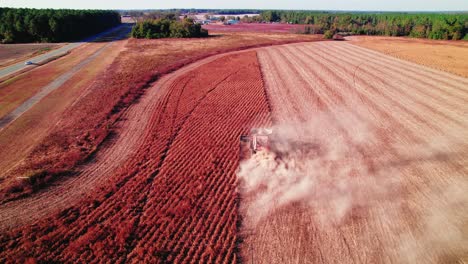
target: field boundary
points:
(13, 192)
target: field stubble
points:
(384, 179)
(450, 56)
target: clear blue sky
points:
(371, 5)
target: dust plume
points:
(320, 165)
(336, 172)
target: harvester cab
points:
(258, 140)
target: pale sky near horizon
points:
(363, 5)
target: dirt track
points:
(386, 184)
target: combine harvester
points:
(263, 141)
(258, 140)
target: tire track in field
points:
(421, 73)
(367, 66)
(406, 98)
(321, 98)
(167, 149)
(158, 202)
(132, 127)
(376, 92)
(325, 94)
(456, 82)
(395, 112)
(335, 75)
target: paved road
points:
(38, 59)
(115, 34)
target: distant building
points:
(202, 22)
(231, 22)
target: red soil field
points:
(88, 122)
(163, 186)
(172, 196)
(257, 27)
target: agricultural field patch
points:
(138, 160)
(12, 53)
(258, 27)
(449, 56)
(174, 190)
(383, 173)
(85, 125)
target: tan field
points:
(450, 56)
(385, 178)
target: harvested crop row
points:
(444, 55)
(174, 197)
(389, 171)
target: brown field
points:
(384, 181)
(449, 56)
(16, 90)
(13, 53)
(139, 158)
(18, 139)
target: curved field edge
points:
(174, 199)
(90, 121)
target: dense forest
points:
(421, 25)
(20, 25)
(168, 27)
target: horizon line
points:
(246, 9)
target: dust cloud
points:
(319, 164)
(335, 172)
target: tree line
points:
(22, 25)
(168, 27)
(421, 25)
(194, 11)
